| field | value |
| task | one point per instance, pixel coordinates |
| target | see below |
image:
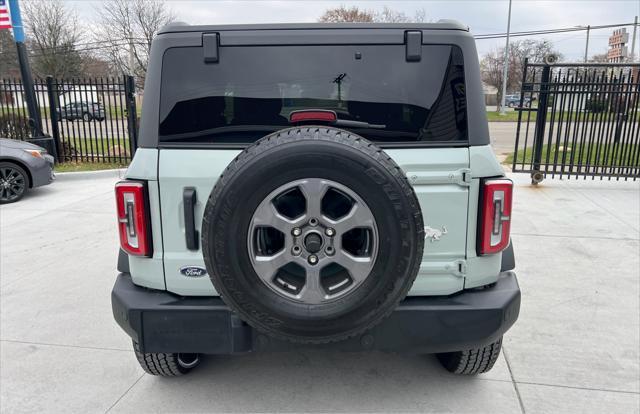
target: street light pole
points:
(586, 47)
(505, 66)
(633, 40)
(25, 71)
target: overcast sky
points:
(481, 16)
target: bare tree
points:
(128, 26)
(97, 67)
(599, 58)
(492, 63)
(389, 15)
(345, 14)
(53, 34)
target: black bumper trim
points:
(163, 322)
(508, 258)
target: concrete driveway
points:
(574, 349)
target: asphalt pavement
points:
(575, 347)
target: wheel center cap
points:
(313, 242)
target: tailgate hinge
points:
(461, 177)
(210, 47)
(465, 176)
(413, 41)
(457, 267)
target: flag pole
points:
(35, 122)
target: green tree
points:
(8, 56)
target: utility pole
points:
(132, 58)
(25, 70)
(586, 47)
(503, 111)
(633, 41)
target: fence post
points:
(132, 117)
(541, 123)
(53, 114)
(522, 92)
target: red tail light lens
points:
(133, 218)
(495, 220)
(312, 115)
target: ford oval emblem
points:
(193, 271)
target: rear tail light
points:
(306, 115)
(495, 219)
(133, 218)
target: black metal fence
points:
(584, 121)
(82, 120)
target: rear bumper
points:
(163, 322)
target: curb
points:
(83, 175)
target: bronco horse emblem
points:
(434, 234)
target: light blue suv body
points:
(412, 93)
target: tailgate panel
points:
(437, 174)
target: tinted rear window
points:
(252, 91)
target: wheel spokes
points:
(358, 267)
(267, 266)
(312, 291)
(313, 190)
(266, 215)
(13, 174)
(359, 216)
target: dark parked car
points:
(87, 111)
(513, 101)
(22, 166)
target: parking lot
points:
(575, 347)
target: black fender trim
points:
(123, 262)
(508, 258)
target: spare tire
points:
(312, 235)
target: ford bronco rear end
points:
(314, 185)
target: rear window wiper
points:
(357, 124)
(325, 115)
(205, 133)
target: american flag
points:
(5, 20)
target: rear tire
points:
(472, 361)
(343, 161)
(166, 364)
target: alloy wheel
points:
(12, 184)
(313, 240)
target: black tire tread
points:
(472, 361)
(345, 138)
(157, 363)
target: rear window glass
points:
(253, 90)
